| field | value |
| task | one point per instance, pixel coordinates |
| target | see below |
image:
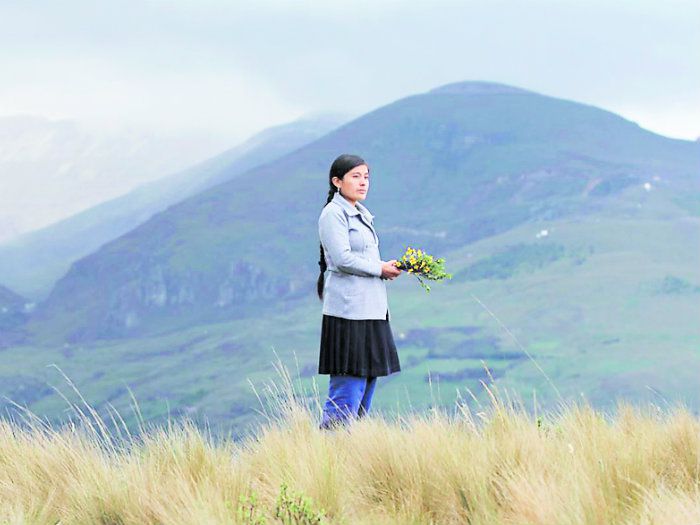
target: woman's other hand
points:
(389, 270)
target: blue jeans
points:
(349, 397)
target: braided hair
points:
(343, 164)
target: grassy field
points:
(499, 464)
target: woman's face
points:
(355, 183)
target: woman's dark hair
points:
(339, 168)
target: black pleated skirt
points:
(357, 347)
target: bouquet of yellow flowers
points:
(420, 264)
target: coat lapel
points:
(361, 210)
(367, 218)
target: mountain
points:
(10, 301)
(33, 262)
(13, 313)
(451, 166)
(572, 234)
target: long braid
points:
(322, 261)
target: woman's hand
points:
(389, 270)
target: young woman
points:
(357, 345)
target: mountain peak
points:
(477, 88)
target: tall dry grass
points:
(497, 465)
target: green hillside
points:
(601, 320)
(572, 235)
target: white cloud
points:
(231, 103)
(237, 67)
(677, 118)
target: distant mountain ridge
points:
(449, 167)
(57, 168)
(33, 262)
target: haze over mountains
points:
(578, 228)
(52, 169)
(30, 264)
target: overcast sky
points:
(232, 68)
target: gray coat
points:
(353, 287)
